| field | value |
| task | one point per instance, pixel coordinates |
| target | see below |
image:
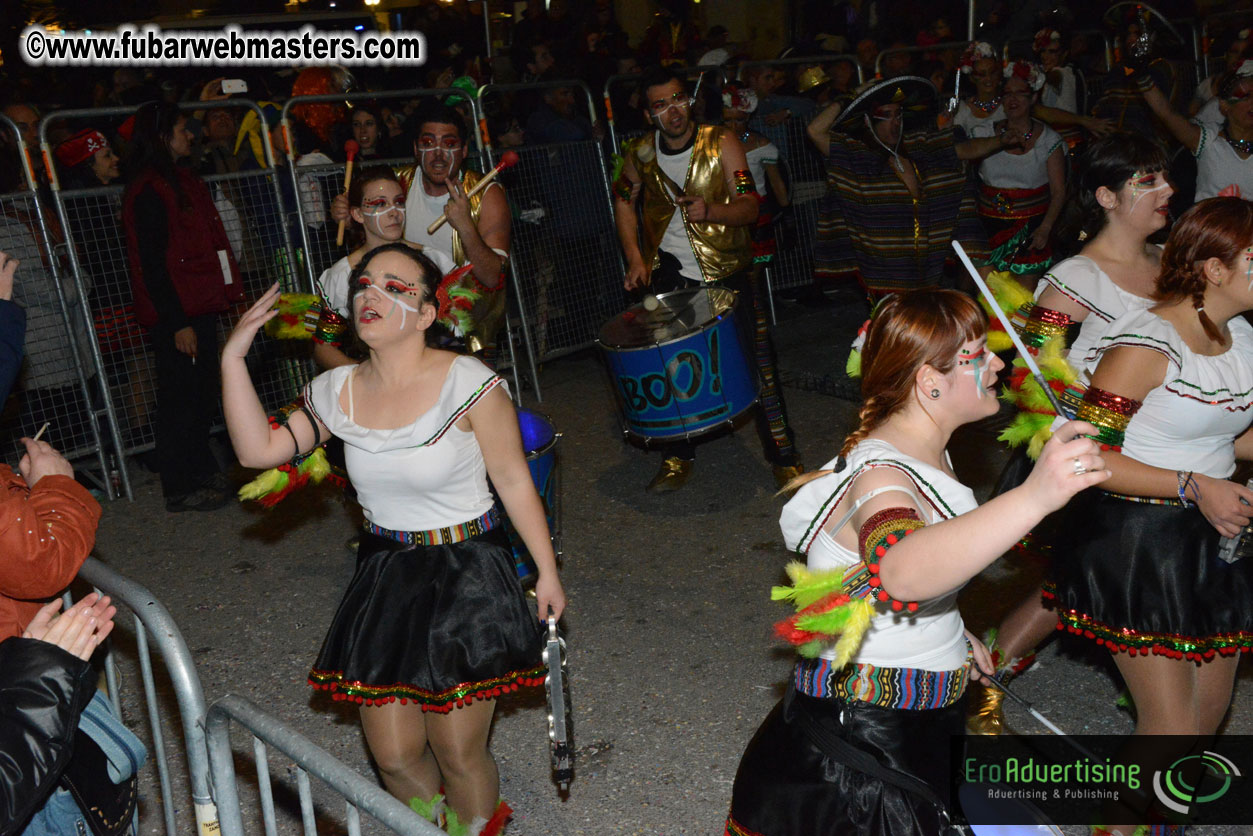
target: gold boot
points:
(987, 716)
(671, 476)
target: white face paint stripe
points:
(1248, 270)
(1140, 192)
(976, 363)
(396, 301)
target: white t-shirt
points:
(1081, 280)
(421, 210)
(1004, 170)
(931, 638)
(967, 121)
(333, 283)
(1218, 167)
(1191, 421)
(1063, 98)
(758, 159)
(675, 240)
(419, 477)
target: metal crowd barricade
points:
(154, 626)
(97, 268)
(805, 60)
(357, 793)
(58, 385)
(910, 50)
(316, 186)
(1243, 15)
(566, 262)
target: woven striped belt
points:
(904, 688)
(440, 536)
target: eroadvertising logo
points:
(1080, 780)
(1173, 787)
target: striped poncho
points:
(869, 223)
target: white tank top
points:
(1218, 167)
(421, 210)
(426, 475)
(675, 240)
(932, 638)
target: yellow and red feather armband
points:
(1110, 414)
(881, 532)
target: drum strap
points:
(843, 752)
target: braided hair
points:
(1221, 228)
(908, 330)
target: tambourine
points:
(560, 716)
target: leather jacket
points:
(43, 689)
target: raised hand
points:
(240, 340)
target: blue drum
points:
(679, 371)
(539, 440)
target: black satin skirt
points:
(786, 786)
(439, 625)
(1146, 578)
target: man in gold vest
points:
(692, 227)
(477, 231)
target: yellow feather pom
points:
(850, 639)
(266, 483)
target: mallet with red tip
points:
(350, 148)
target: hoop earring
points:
(935, 394)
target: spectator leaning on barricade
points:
(183, 275)
(478, 228)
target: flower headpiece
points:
(1028, 72)
(1045, 38)
(80, 147)
(974, 52)
(1245, 69)
(739, 98)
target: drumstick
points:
(350, 148)
(39, 434)
(509, 158)
(1013, 334)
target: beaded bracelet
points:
(1183, 478)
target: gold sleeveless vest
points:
(720, 250)
(489, 310)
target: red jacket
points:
(46, 533)
(194, 250)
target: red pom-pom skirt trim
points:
(442, 702)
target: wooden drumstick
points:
(509, 158)
(350, 148)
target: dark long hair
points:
(429, 276)
(1109, 162)
(1221, 228)
(356, 192)
(150, 145)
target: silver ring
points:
(1078, 467)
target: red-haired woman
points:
(1172, 388)
(896, 690)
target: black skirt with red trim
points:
(440, 626)
(787, 786)
(1144, 578)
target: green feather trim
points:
(1030, 428)
(271, 481)
(315, 465)
(430, 810)
(856, 620)
(808, 587)
(618, 162)
(853, 365)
